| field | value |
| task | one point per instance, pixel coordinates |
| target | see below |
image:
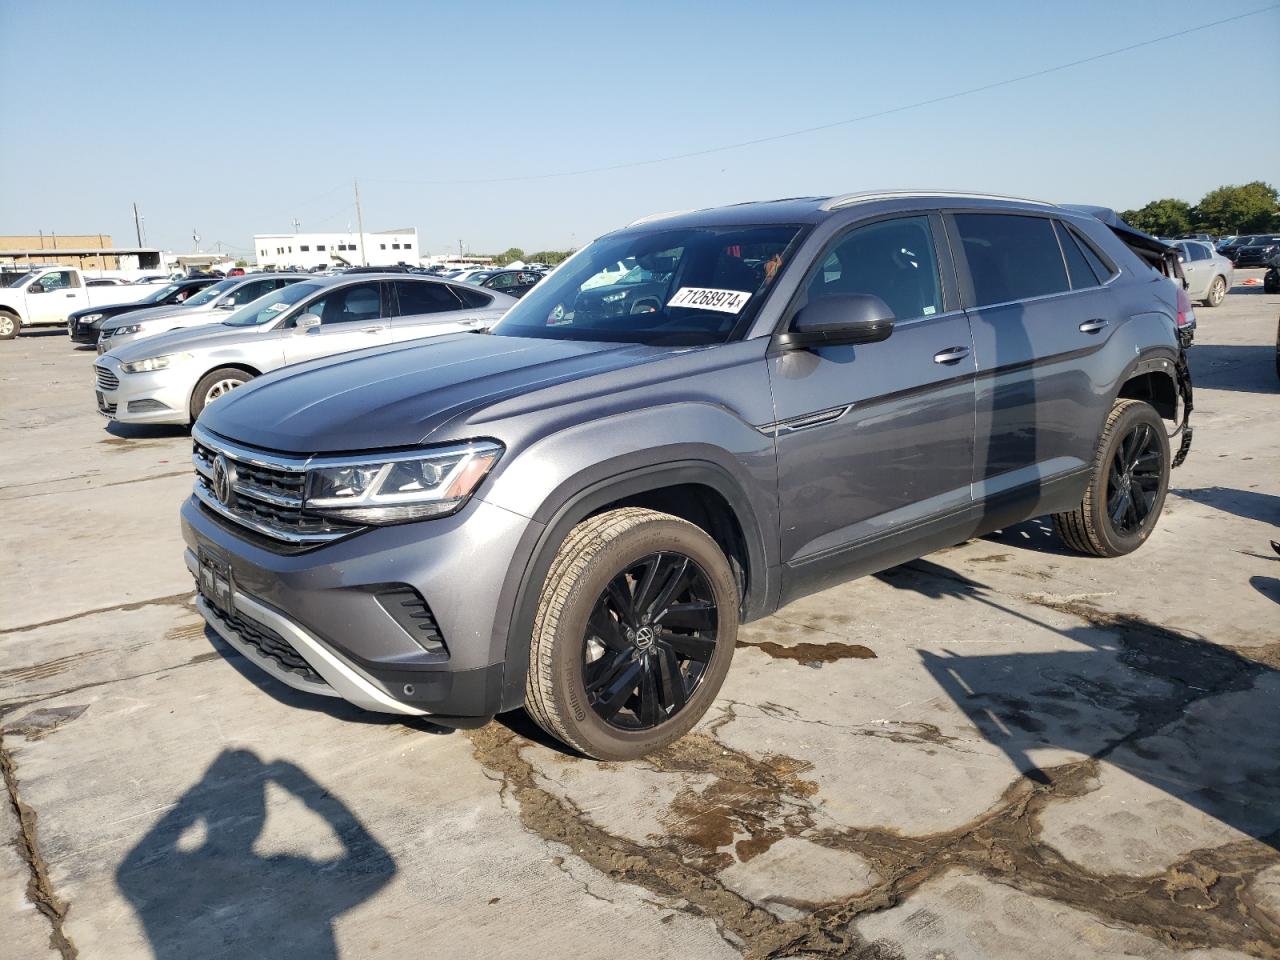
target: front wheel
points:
(9, 326)
(215, 384)
(1127, 486)
(634, 633)
(1217, 292)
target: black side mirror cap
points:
(839, 320)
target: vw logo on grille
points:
(224, 478)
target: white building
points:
(344, 249)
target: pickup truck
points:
(44, 296)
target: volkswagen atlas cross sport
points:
(171, 377)
(574, 513)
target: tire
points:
(214, 384)
(10, 326)
(1217, 292)
(1091, 528)
(584, 638)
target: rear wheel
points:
(10, 326)
(635, 630)
(1127, 487)
(215, 384)
(1217, 292)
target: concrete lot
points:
(1000, 751)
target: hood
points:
(188, 339)
(149, 313)
(384, 397)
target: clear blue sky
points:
(233, 118)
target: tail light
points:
(1186, 316)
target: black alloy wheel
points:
(1133, 483)
(649, 640)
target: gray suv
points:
(575, 512)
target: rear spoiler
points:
(1153, 251)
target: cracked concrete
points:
(998, 751)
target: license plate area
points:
(214, 581)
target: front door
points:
(62, 295)
(351, 318)
(875, 440)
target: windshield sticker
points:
(704, 298)
(276, 307)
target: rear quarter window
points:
(474, 299)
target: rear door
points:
(426, 308)
(352, 317)
(875, 439)
(1197, 267)
(1034, 325)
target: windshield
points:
(21, 279)
(676, 287)
(160, 294)
(211, 292)
(265, 309)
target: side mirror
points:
(306, 323)
(839, 320)
(36, 287)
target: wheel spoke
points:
(1141, 435)
(605, 628)
(651, 706)
(1120, 509)
(696, 615)
(644, 587)
(678, 578)
(673, 693)
(602, 674)
(619, 592)
(689, 647)
(616, 694)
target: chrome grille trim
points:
(267, 530)
(107, 381)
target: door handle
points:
(1093, 326)
(951, 355)
(371, 329)
(70, 294)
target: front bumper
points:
(162, 396)
(328, 606)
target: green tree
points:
(512, 254)
(1163, 218)
(242, 263)
(1252, 208)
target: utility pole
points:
(364, 260)
(296, 224)
(137, 223)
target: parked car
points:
(576, 512)
(1257, 252)
(84, 326)
(1209, 274)
(207, 306)
(1271, 279)
(172, 377)
(1228, 250)
(516, 283)
(45, 296)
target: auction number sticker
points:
(704, 298)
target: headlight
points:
(154, 363)
(399, 487)
(614, 297)
(90, 317)
(121, 331)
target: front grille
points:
(264, 493)
(107, 380)
(268, 643)
(105, 408)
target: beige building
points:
(34, 247)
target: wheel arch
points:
(700, 491)
(1152, 379)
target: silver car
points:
(171, 377)
(1208, 272)
(210, 305)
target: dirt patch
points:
(812, 654)
(40, 723)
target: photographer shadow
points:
(202, 890)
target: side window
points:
(1082, 274)
(1101, 267)
(894, 260)
(358, 303)
(473, 299)
(61, 280)
(423, 296)
(501, 281)
(248, 292)
(1198, 251)
(1011, 257)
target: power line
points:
(851, 120)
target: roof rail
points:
(866, 196)
(660, 216)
